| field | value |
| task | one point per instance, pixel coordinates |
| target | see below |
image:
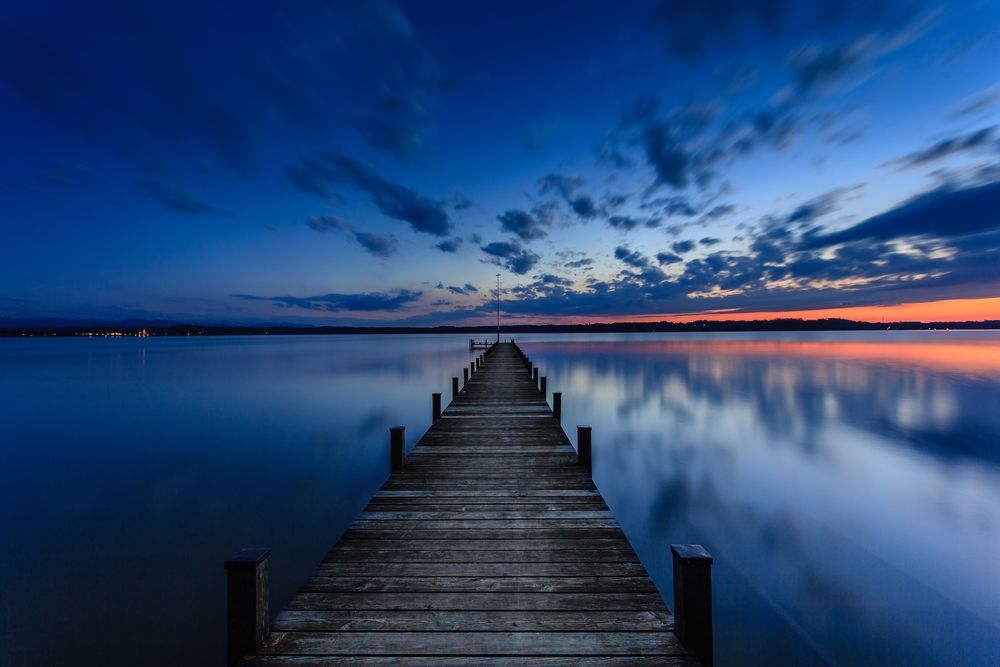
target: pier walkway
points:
(489, 545)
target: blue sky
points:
(355, 162)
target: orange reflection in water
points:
(979, 358)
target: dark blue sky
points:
(340, 162)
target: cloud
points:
(815, 67)
(583, 206)
(364, 302)
(178, 200)
(668, 258)
(460, 202)
(623, 223)
(449, 245)
(327, 223)
(566, 187)
(464, 290)
(709, 241)
(982, 138)
(681, 247)
(523, 225)
(396, 124)
(668, 157)
(559, 184)
(579, 263)
(942, 213)
(316, 172)
(631, 257)
(375, 244)
(979, 102)
(716, 212)
(511, 256)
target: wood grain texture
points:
(489, 545)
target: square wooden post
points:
(435, 406)
(583, 448)
(248, 620)
(693, 599)
(454, 388)
(557, 405)
(397, 446)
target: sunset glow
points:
(950, 310)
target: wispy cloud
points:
(316, 173)
(363, 302)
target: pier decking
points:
(489, 545)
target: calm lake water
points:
(847, 484)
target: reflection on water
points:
(849, 487)
(847, 484)
(130, 468)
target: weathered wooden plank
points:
(474, 621)
(474, 534)
(505, 661)
(550, 584)
(488, 493)
(493, 515)
(475, 643)
(551, 523)
(424, 544)
(480, 601)
(531, 568)
(382, 555)
(418, 505)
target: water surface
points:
(847, 484)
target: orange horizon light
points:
(944, 310)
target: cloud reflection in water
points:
(848, 485)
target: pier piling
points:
(693, 599)
(248, 616)
(583, 447)
(397, 446)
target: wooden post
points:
(543, 382)
(693, 599)
(583, 448)
(472, 367)
(435, 406)
(247, 603)
(397, 440)
(454, 388)
(534, 375)
(465, 376)
(557, 405)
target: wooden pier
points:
(488, 544)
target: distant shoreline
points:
(139, 328)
